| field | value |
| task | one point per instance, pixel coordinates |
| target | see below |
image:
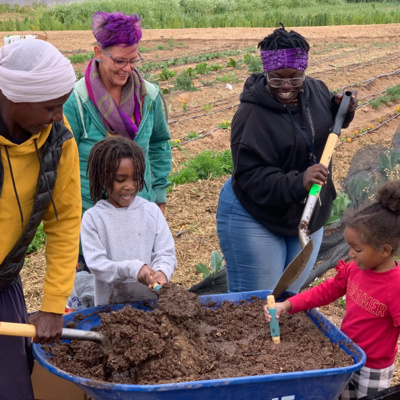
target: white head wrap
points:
(33, 70)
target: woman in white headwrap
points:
(39, 181)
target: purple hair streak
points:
(284, 58)
(116, 29)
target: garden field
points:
(201, 72)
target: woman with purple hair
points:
(114, 99)
(278, 133)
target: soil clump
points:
(184, 341)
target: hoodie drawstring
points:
(15, 188)
(45, 179)
(303, 132)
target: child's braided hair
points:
(103, 163)
(378, 223)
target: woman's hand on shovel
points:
(353, 101)
(317, 173)
(281, 308)
(48, 326)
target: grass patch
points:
(80, 58)
(392, 95)
(205, 165)
(174, 14)
(38, 241)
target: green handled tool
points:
(274, 323)
(295, 268)
(325, 160)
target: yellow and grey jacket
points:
(39, 181)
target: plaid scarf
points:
(117, 120)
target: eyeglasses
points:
(278, 83)
(122, 63)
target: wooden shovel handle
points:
(13, 329)
(328, 149)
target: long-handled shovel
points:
(27, 330)
(295, 268)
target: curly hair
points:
(103, 162)
(378, 223)
(280, 39)
(116, 29)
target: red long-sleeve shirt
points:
(372, 318)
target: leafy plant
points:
(171, 42)
(166, 74)
(225, 125)
(205, 165)
(38, 241)
(174, 142)
(184, 105)
(184, 81)
(340, 204)
(216, 260)
(363, 186)
(215, 67)
(392, 95)
(253, 63)
(191, 135)
(207, 82)
(231, 63)
(389, 164)
(342, 301)
(202, 68)
(207, 107)
(227, 78)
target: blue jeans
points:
(255, 257)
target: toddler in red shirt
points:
(370, 282)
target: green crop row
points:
(173, 14)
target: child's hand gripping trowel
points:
(297, 265)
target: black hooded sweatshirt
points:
(270, 155)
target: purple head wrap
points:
(116, 29)
(284, 58)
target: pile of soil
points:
(184, 341)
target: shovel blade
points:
(294, 269)
(77, 334)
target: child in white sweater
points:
(125, 239)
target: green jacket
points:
(153, 138)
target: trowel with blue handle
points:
(273, 324)
(157, 286)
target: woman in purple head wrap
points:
(278, 134)
(114, 99)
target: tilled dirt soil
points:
(183, 341)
